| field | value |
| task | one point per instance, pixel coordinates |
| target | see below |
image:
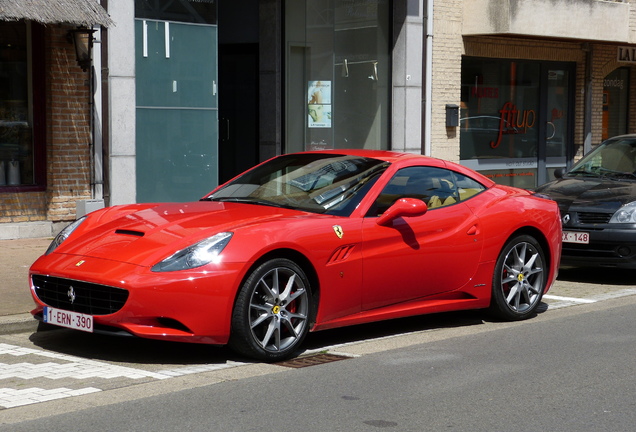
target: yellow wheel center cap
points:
(520, 277)
(276, 309)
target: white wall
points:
(121, 102)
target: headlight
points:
(63, 235)
(198, 254)
(625, 214)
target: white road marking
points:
(569, 299)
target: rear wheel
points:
(271, 316)
(519, 279)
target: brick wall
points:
(68, 135)
(68, 138)
(446, 81)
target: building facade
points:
(183, 95)
(45, 115)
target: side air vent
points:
(341, 254)
(130, 232)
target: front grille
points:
(76, 296)
(594, 218)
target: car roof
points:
(384, 155)
(404, 158)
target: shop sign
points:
(513, 121)
(626, 54)
(485, 92)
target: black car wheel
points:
(519, 279)
(272, 311)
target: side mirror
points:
(559, 172)
(401, 208)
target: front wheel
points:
(272, 311)
(519, 279)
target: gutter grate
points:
(311, 360)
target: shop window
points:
(337, 74)
(615, 103)
(21, 123)
(515, 118)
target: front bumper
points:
(186, 306)
(609, 246)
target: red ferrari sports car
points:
(300, 243)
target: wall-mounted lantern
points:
(82, 39)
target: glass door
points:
(557, 123)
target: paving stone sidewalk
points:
(16, 256)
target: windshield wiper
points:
(617, 175)
(583, 173)
(247, 200)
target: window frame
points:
(454, 191)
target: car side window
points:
(467, 187)
(435, 186)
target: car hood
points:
(149, 235)
(590, 194)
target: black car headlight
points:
(625, 214)
(197, 255)
(63, 235)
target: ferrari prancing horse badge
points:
(338, 230)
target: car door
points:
(414, 257)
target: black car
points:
(597, 199)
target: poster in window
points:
(319, 104)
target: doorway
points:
(238, 108)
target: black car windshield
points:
(315, 182)
(614, 159)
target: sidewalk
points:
(16, 256)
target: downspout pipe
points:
(105, 120)
(428, 79)
(587, 115)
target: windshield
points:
(615, 158)
(314, 182)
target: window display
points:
(338, 74)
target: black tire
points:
(519, 279)
(272, 312)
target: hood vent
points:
(130, 232)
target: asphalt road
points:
(567, 369)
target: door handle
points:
(473, 230)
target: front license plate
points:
(576, 237)
(68, 319)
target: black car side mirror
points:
(560, 172)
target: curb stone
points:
(20, 323)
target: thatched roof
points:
(79, 12)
